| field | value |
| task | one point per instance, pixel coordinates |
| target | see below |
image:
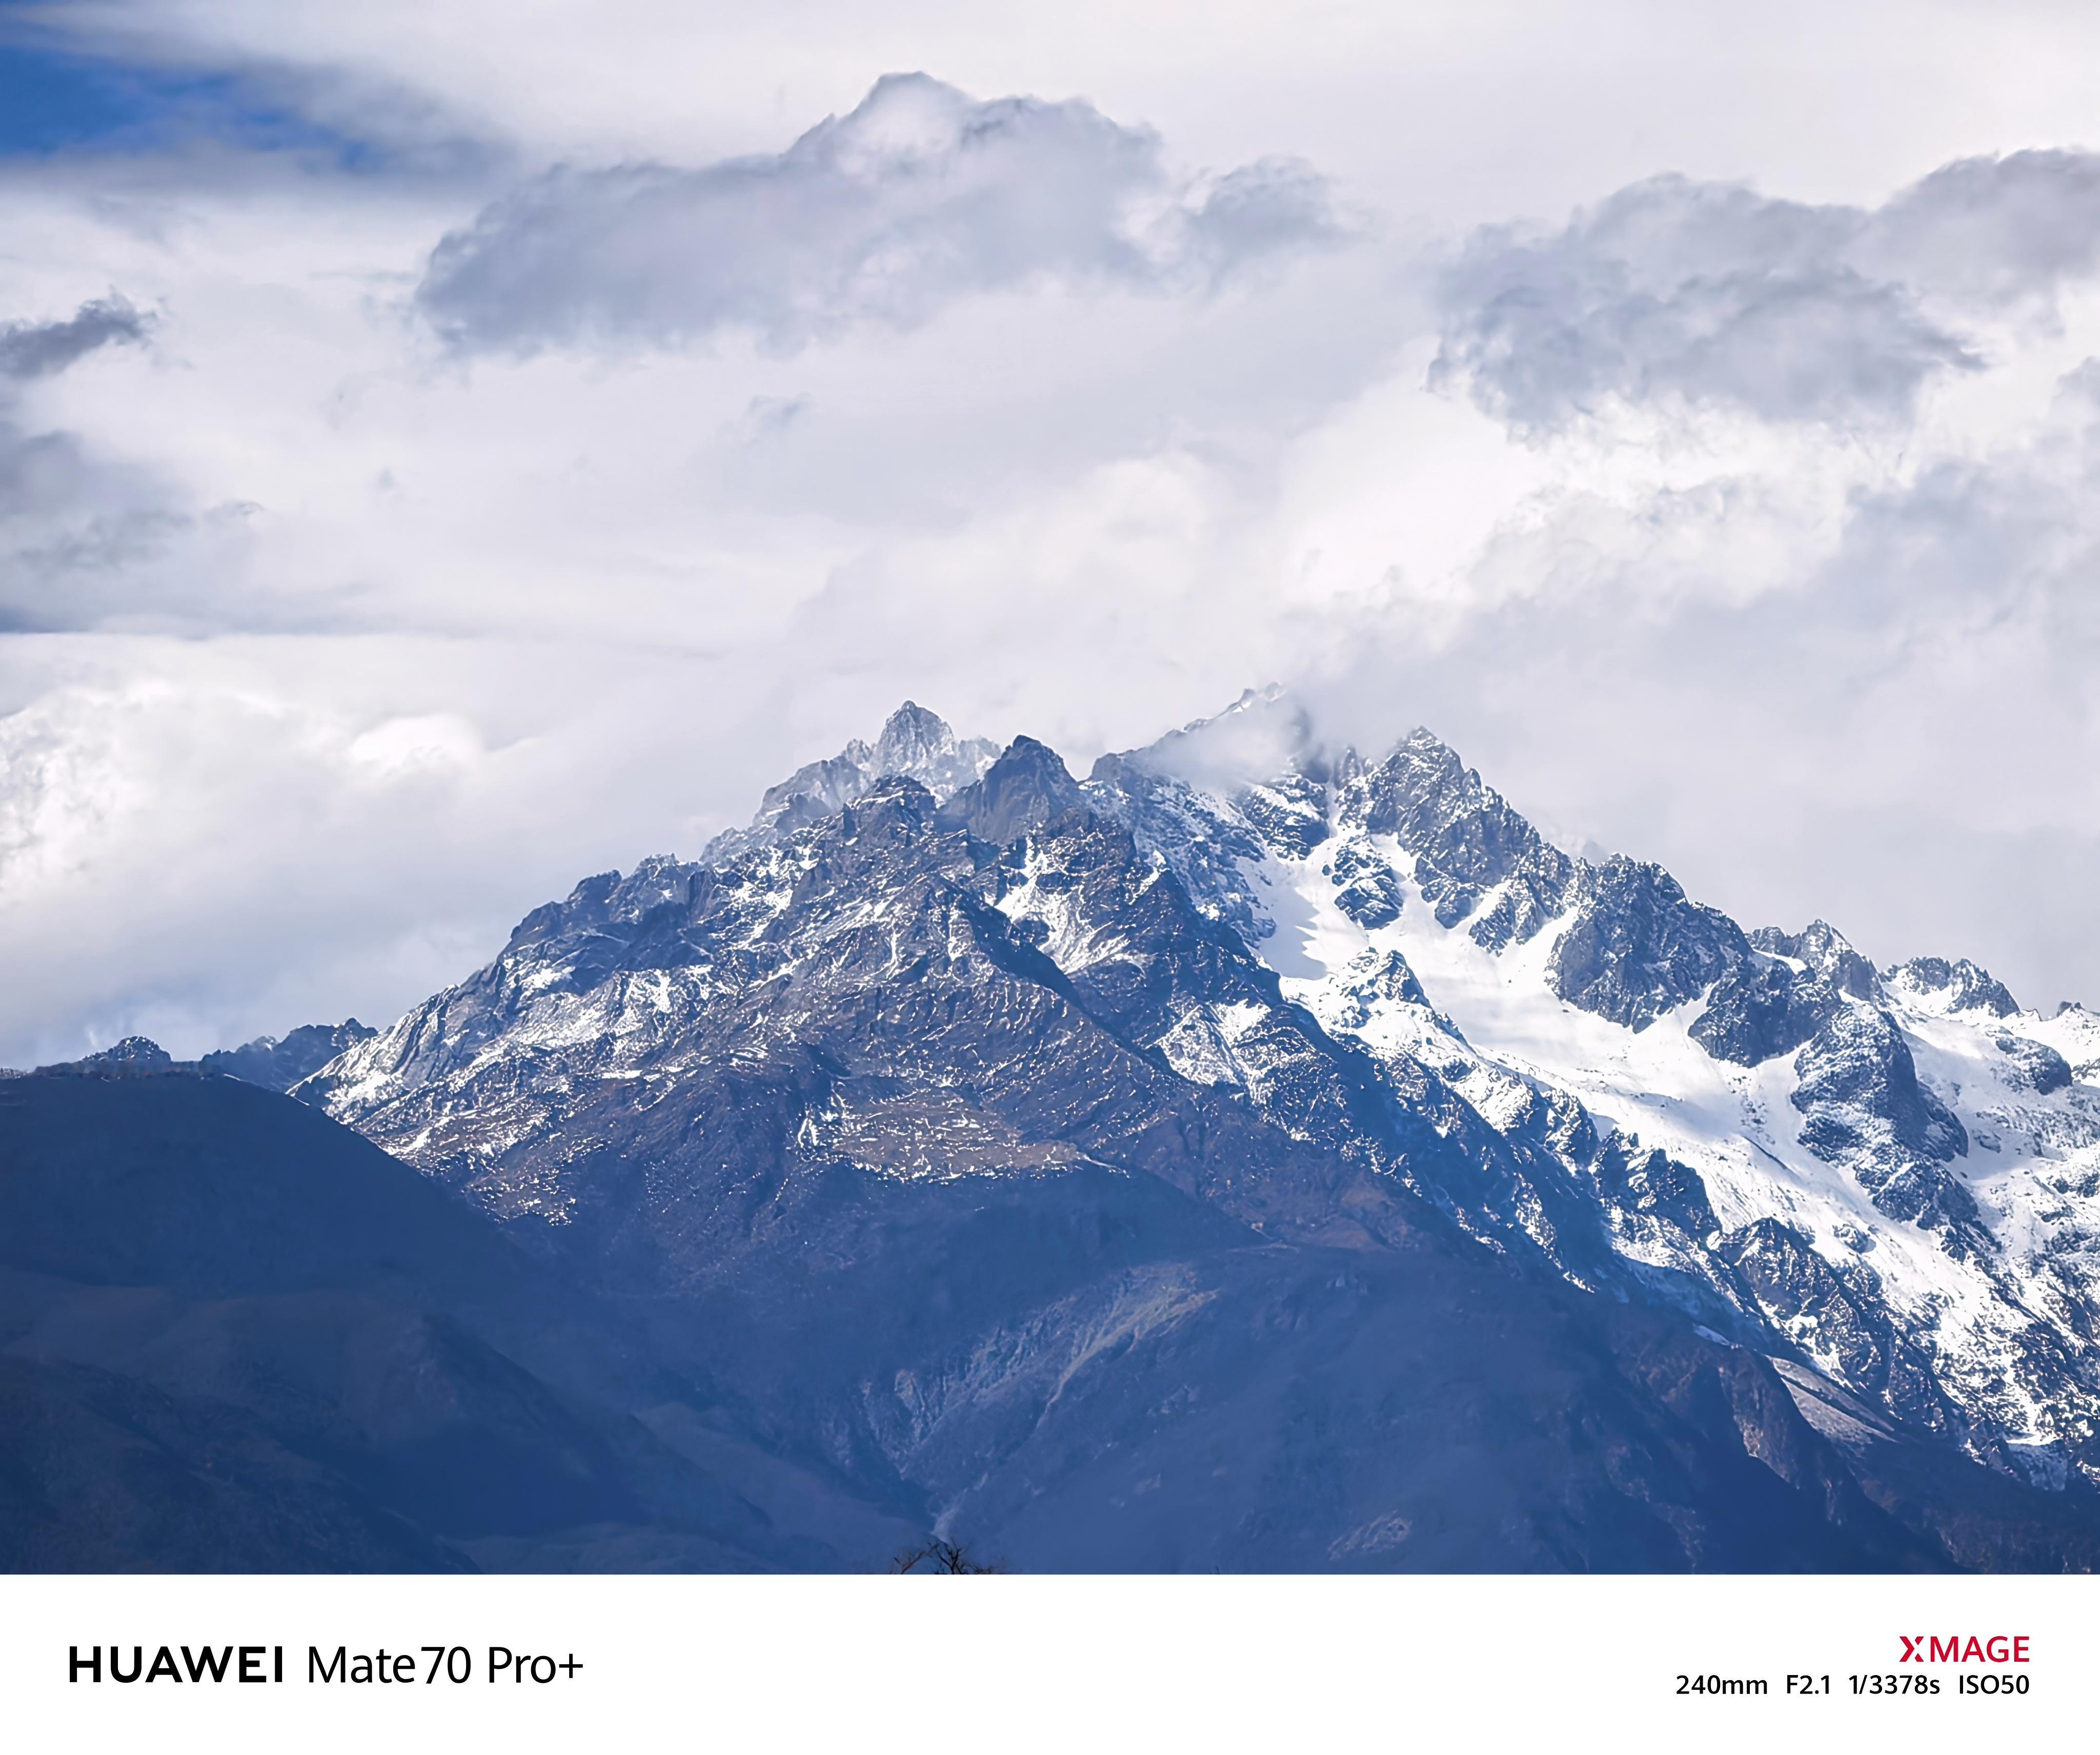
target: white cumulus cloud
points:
(919, 196)
(1710, 294)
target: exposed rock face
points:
(1957, 986)
(1637, 947)
(1209, 850)
(1651, 1189)
(1365, 886)
(1289, 814)
(1838, 1317)
(1025, 788)
(1826, 952)
(919, 746)
(1762, 1009)
(279, 1064)
(1865, 1109)
(914, 744)
(2033, 1066)
(1465, 838)
(1386, 979)
(1765, 1006)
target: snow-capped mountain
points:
(1894, 1170)
(914, 743)
(1332, 1003)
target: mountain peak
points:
(1026, 787)
(1424, 744)
(278, 1063)
(911, 720)
(130, 1058)
(918, 744)
(1265, 732)
(923, 746)
(1824, 950)
(1934, 984)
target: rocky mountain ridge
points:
(1340, 1005)
(275, 1063)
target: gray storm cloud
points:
(70, 522)
(38, 349)
(1712, 295)
(919, 196)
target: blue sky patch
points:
(53, 100)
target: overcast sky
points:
(449, 448)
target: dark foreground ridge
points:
(239, 1338)
(236, 1337)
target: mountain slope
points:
(1893, 1170)
(234, 1335)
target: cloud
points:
(38, 349)
(87, 539)
(1710, 295)
(1812, 683)
(457, 636)
(150, 781)
(72, 523)
(113, 829)
(1698, 293)
(1992, 231)
(919, 196)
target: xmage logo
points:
(1992, 1648)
